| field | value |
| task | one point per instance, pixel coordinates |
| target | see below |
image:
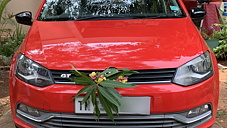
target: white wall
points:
(16, 6)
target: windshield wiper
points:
(129, 17)
(56, 18)
(165, 16)
(104, 18)
(158, 16)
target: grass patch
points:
(221, 114)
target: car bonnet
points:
(135, 44)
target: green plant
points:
(2, 6)
(221, 114)
(4, 20)
(4, 31)
(215, 34)
(221, 50)
(101, 86)
(10, 46)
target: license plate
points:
(129, 105)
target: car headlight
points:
(195, 71)
(32, 73)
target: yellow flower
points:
(101, 78)
(121, 77)
(124, 81)
(92, 74)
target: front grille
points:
(63, 120)
(129, 122)
(151, 76)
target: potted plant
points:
(221, 50)
(217, 41)
(212, 39)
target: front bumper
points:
(51, 119)
(168, 101)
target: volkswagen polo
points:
(177, 83)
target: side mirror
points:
(197, 14)
(24, 18)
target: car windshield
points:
(64, 10)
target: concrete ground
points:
(6, 120)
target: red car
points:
(177, 83)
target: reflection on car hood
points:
(135, 44)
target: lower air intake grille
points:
(67, 120)
(127, 122)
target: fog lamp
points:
(198, 111)
(29, 110)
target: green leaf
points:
(106, 105)
(125, 69)
(2, 6)
(109, 72)
(116, 84)
(115, 76)
(76, 73)
(115, 93)
(109, 96)
(128, 72)
(93, 97)
(80, 81)
(88, 94)
(83, 75)
(85, 89)
(114, 108)
(96, 110)
(79, 74)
